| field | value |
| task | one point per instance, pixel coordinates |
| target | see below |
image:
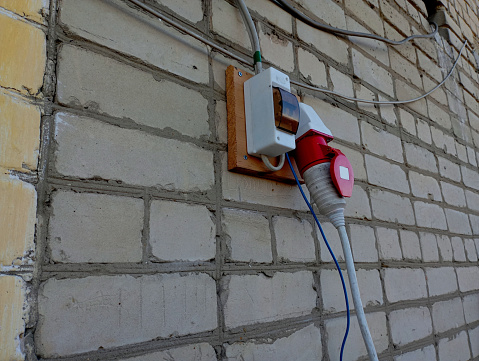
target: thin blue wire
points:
(332, 255)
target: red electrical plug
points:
(312, 148)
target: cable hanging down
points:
(285, 5)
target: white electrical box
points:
(272, 114)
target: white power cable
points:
(383, 102)
(252, 33)
(271, 167)
(303, 85)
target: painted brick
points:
(424, 186)
(12, 317)
(471, 251)
(294, 239)
(341, 82)
(19, 139)
(430, 251)
(251, 299)
(409, 325)
(327, 10)
(363, 11)
(174, 52)
(305, 342)
(474, 339)
(445, 247)
(326, 43)
(363, 243)
(458, 222)
(358, 204)
(391, 207)
(312, 68)
(381, 142)
(196, 352)
(454, 348)
(239, 188)
(411, 248)
(276, 49)
(447, 314)
(249, 237)
(88, 148)
(458, 249)
(453, 195)
(430, 215)
(275, 15)
(376, 49)
(419, 157)
(191, 10)
(404, 284)
(470, 177)
(24, 56)
(355, 347)
(425, 354)
(471, 308)
(394, 178)
(441, 281)
(99, 228)
(122, 303)
(372, 73)
(34, 10)
(468, 278)
(113, 88)
(18, 202)
(388, 242)
(332, 290)
(181, 231)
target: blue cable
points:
(332, 255)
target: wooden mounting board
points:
(239, 161)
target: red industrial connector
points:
(312, 148)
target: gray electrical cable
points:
(303, 85)
(252, 33)
(383, 102)
(331, 29)
(189, 32)
(271, 167)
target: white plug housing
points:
(310, 120)
(263, 135)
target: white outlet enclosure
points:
(261, 133)
(310, 120)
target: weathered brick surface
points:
(426, 354)
(394, 178)
(130, 309)
(455, 348)
(410, 324)
(181, 232)
(294, 239)
(251, 299)
(441, 280)
(430, 215)
(88, 148)
(305, 342)
(97, 228)
(391, 207)
(447, 314)
(197, 352)
(388, 244)
(404, 284)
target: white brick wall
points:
(455, 348)
(196, 352)
(294, 239)
(447, 314)
(251, 299)
(409, 325)
(404, 284)
(441, 280)
(123, 304)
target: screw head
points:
(240, 73)
(245, 157)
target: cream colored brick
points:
(381, 142)
(404, 68)
(405, 92)
(363, 11)
(326, 43)
(424, 187)
(12, 322)
(189, 9)
(311, 68)
(22, 60)
(274, 14)
(228, 23)
(342, 83)
(277, 50)
(395, 17)
(326, 10)
(35, 10)
(294, 239)
(375, 48)
(19, 133)
(372, 73)
(18, 202)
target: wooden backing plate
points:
(239, 161)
